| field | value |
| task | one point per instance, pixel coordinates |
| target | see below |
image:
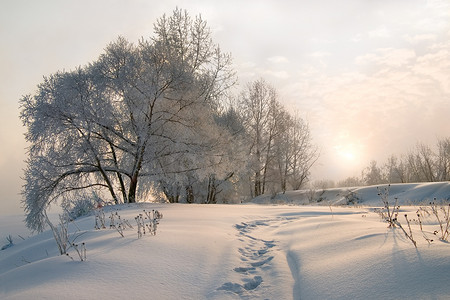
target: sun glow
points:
(347, 153)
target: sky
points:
(372, 78)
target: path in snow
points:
(256, 255)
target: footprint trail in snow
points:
(256, 256)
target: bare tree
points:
(350, 182)
(256, 101)
(280, 149)
(304, 153)
(421, 164)
(443, 160)
(373, 174)
(425, 160)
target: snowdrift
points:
(244, 251)
(407, 194)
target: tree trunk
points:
(212, 190)
(189, 194)
(257, 189)
(139, 157)
(119, 176)
(133, 188)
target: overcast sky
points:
(372, 78)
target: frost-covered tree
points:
(425, 159)
(303, 153)
(443, 160)
(257, 102)
(350, 182)
(421, 164)
(373, 174)
(137, 115)
(280, 148)
(394, 170)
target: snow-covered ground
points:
(246, 251)
(407, 194)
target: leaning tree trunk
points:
(119, 175)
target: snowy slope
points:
(244, 251)
(407, 194)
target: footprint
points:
(244, 269)
(262, 251)
(255, 255)
(241, 226)
(238, 288)
(269, 244)
(253, 283)
(263, 262)
(232, 287)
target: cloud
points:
(380, 32)
(419, 38)
(278, 59)
(317, 40)
(387, 57)
(392, 100)
(277, 74)
(320, 54)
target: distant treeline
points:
(421, 164)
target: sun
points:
(346, 153)
(349, 155)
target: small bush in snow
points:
(60, 232)
(442, 214)
(118, 223)
(61, 235)
(148, 222)
(351, 197)
(10, 242)
(391, 212)
(316, 195)
(81, 250)
(100, 218)
(409, 234)
(81, 207)
(419, 220)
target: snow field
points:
(235, 252)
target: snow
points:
(407, 194)
(244, 251)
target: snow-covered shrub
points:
(315, 195)
(61, 235)
(409, 234)
(81, 250)
(10, 242)
(390, 213)
(99, 218)
(118, 223)
(148, 222)
(352, 197)
(442, 214)
(60, 232)
(81, 207)
(421, 213)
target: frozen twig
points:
(408, 235)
